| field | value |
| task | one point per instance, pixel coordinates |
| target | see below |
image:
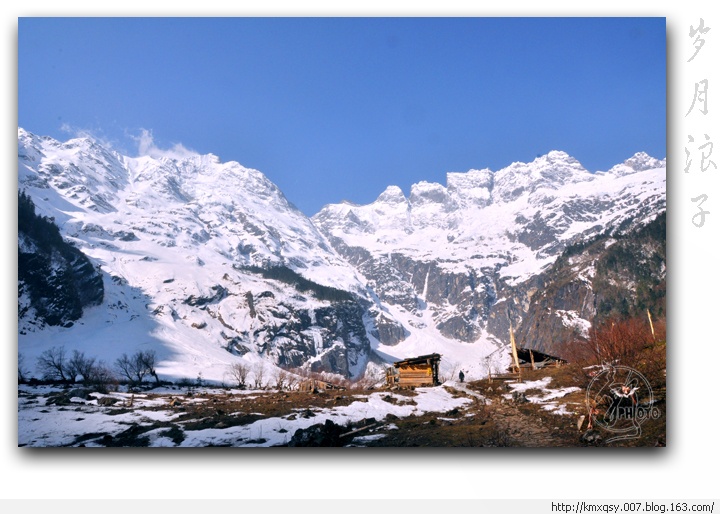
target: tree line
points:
(56, 365)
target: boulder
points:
(320, 435)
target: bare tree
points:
(281, 379)
(53, 364)
(80, 365)
(292, 381)
(133, 368)
(239, 372)
(124, 366)
(487, 367)
(453, 373)
(259, 372)
(147, 359)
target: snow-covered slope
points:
(186, 246)
(208, 264)
(220, 212)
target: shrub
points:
(631, 342)
(102, 378)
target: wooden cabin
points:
(420, 371)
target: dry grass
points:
(491, 419)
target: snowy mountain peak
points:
(549, 171)
(472, 187)
(555, 164)
(183, 199)
(558, 156)
(392, 195)
(446, 258)
(638, 162)
(470, 179)
(427, 192)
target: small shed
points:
(415, 372)
(312, 385)
(534, 359)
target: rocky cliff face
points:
(56, 281)
(614, 275)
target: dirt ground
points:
(493, 418)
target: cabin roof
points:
(524, 354)
(433, 357)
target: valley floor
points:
(542, 411)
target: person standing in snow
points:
(462, 376)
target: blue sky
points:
(335, 109)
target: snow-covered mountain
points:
(208, 263)
(461, 258)
(201, 260)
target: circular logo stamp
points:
(619, 400)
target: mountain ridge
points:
(192, 242)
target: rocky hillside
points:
(613, 275)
